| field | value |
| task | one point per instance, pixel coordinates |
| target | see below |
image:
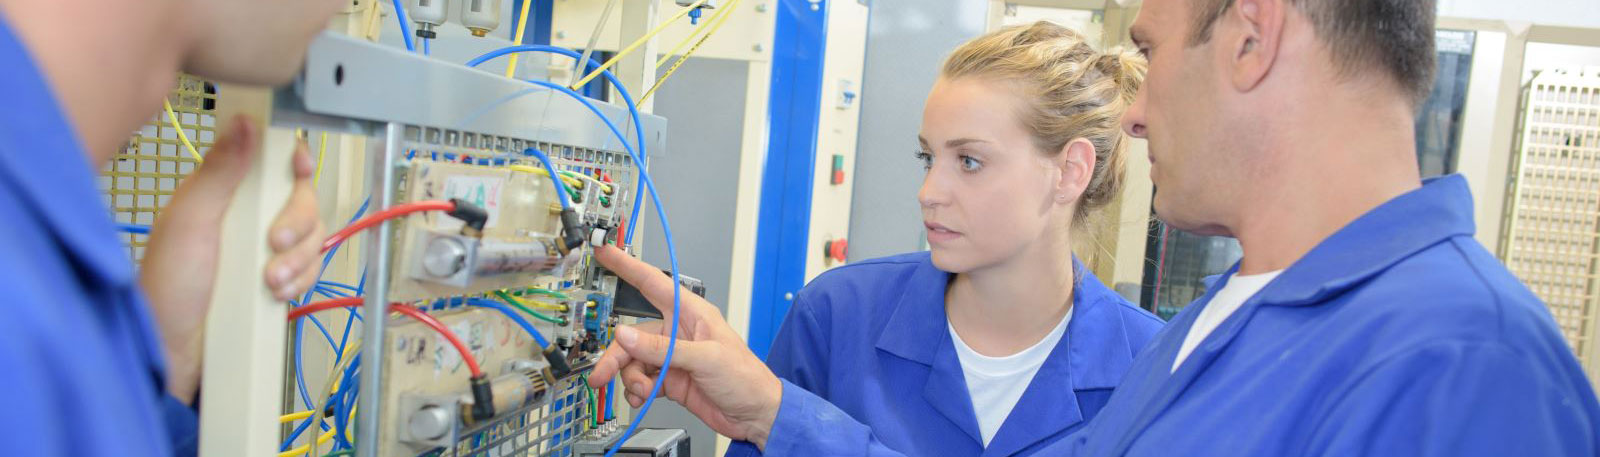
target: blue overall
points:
(1398, 335)
(83, 364)
(869, 368)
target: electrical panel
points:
(533, 184)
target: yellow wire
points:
(718, 18)
(636, 43)
(172, 118)
(690, 37)
(522, 26)
(304, 448)
(322, 150)
(574, 183)
(606, 188)
(323, 438)
(539, 304)
(291, 417)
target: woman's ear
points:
(1077, 169)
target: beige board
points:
(420, 362)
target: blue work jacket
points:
(83, 365)
(869, 368)
(1399, 335)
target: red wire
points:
(378, 217)
(418, 315)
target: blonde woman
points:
(998, 341)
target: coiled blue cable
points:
(641, 159)
(672, 256)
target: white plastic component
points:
(480, 16)
(428, 11)
(513, 250)
(597, 237)
(709, 4)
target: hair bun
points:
(1127, 69)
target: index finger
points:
(656, 287)
(615, 357)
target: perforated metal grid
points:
(467, 147)
(547, 430)
(1554, 218)
(141, 177)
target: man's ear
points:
(1255, 38)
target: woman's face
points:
(989, 194)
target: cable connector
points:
(572, 233)
(559, 369)
(482, 399)
(473, 216)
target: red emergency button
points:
(835, 250)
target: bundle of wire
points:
(649, 186)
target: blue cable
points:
(555, 176)
(405, 28)
(134, 228)
(672, 256)
(299, 371)
(329, 293)
(336, 284)
(510, 313)
(425, 50)
(640, 159)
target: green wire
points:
(546, 292)
(525, 309)
(339, 453)
(594, 407)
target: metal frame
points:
(786, 185)
(357, 87)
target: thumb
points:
(652, 349)
(229, 158)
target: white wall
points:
(1545, 56)
(1574, 13)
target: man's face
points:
(255, 41)
(1196, 165)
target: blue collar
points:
(48, 171)
(1099, 353)
(1439, 210)
(1097, 348)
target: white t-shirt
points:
(996, 383)
(1223, 304)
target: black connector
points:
(559, 369)
(571, 231)
(426, 33)
(473, 216)
(629, 301)
(482, 399)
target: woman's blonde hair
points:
(1071, 90)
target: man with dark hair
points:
(1363, 319)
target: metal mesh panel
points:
(141, 177)
(1554, 219)
(547, 430)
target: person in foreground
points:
(105, 361)
(1363, 319)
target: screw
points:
(756, 48)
